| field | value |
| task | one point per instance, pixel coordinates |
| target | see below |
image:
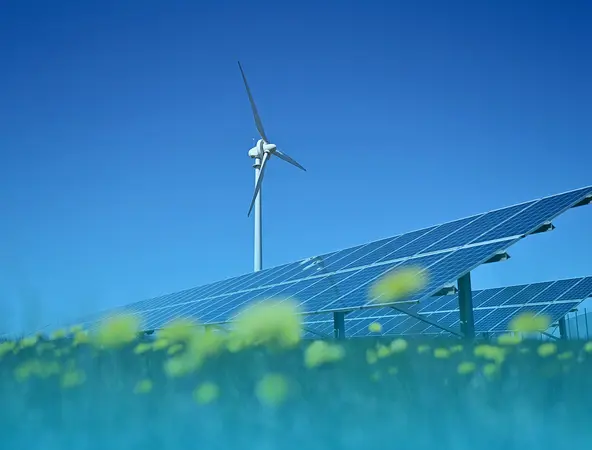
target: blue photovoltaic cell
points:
(385, 252)
(528, 294)
(557, 289)
(220, 300)
(418, 245)
(493, 318)
(477, 227)
(582, 289)
(536, 215)
(496, 316)
(558, 310)
(356, 288)
(502, 296)
(484, 296)
(456, 264)
(353, 259)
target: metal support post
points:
(258, 254)
(465, 306)
(562, 328)
(339, 325)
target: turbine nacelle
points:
(261, 148)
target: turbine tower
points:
(261, 153)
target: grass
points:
(260, 386)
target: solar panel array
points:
(493, 310)
(339, 281)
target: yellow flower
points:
(206, 393)
(142, 347)
(529, 322)
(175, 349)
(270, 321)
(58, 334)
(29, 341)
(371, 356)
(375, 327)
(423, 348)
(6, 347)
(398, 345)
(117, 330)
(466, 367)
(490, 369)
(80, 337)
(76, 329)
(143, 387)
(441, 353)
(179, 366)
(490, 352)
(546, 349)
(179, 330)
(272, 389)
(398, 284)
(509, 339)
(73, 378)
(160, 344)
(320, 352)
(382, 351)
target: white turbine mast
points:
(261, 153)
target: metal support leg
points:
(339, 325)
(465, 305)
(562, 328)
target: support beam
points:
(584, 202)
(426, 320)
(549, 335)
(498, 257)
(465, 306)
(562, 328)
(319, 334)
(544, 228)
(446, 290)
(339, 324)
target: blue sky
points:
(124, 131)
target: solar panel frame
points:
(497, 315)
(519, 221)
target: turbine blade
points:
(259, 181)
(258, 122)
(286, 158)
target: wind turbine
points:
(261, 153)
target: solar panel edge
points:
(428, 229)
(476, 215)
(586, 192)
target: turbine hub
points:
(269, 148)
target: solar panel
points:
(339, 281)
(500, 306)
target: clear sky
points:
(124, 132)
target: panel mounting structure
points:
(339, 281)
(493, 309)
